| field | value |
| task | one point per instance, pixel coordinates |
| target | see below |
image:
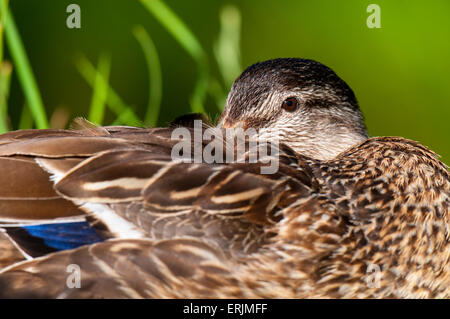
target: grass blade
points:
(97, 109)
(124, 112)
(126, 115)
(24, 72)
(155, 78)
(5, 79)
(176, 27)
(3, 12)
(227, 48)
(5, 73)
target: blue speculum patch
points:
(65, 235)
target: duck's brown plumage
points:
(311, 233)
(316, 228)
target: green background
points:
(400, 73)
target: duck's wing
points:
(291, 265)
(127, 182)
(9, 254)
(196, 223)
(133, 268)
(32, 160)
(138, 194)
(26, 190)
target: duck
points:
(344, 215)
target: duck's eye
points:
(290, 104)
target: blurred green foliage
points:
(177, 56)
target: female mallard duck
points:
(344, 216)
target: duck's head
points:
(302, 102)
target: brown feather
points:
(8, 252)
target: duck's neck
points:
(321, 145)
